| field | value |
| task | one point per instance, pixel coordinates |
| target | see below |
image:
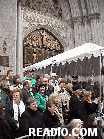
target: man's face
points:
(45, 81)
(7, 86)
(10, 75)
(79, 92)
(75, 79)
(30, 74)
(29, 85)
(54, 77)
(18, 80)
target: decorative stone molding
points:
(46, 6)
(33, 20)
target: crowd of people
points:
(44, 101)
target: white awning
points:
(80, 52)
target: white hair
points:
(73, 124)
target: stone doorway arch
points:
(40, 44)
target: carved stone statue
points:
(57, 45)
(34, 58)
(34, 41)
(44, 38)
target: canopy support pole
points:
(99, 106)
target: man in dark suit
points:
(77, 110)
(75, 82)
(25, 91)
(49, 88)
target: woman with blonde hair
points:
(58, 110)
(90, 106)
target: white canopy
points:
(80, 52)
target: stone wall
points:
(8, 32)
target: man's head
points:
(75, 78)
(30, 73)
(54, 76)
(16, 79)
(78, 92)
(45, 81)
(47, 76)
(27, 84)
(6, 85)
(38, 79)
(10, 74)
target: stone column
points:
(19, 52)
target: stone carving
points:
(42, 39)
(32, 19)
(39, 45)
(46, 6)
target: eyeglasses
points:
(44, 81)
(16, 95)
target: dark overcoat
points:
(50, 121)
(77, 110)
(30, 119)
(90, 107)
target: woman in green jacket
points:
(41, 98)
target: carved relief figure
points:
(44, 38)
(40, 40)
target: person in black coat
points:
(50, 118)
(35, 87)
(25, 91)
(91, 122)
(4, 127)
(77, 110)
(13, 111)
(31, 118)
(90, 106)
(75, 82)
(49, 88)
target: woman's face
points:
(52, 108)
(94, 122)
(90, 95)
(16, 97)
(33, 106)
(78, 126)
(42, 89)
(56, 100)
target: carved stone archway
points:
(40, 44)
(46, 27)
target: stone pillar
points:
(19, 52)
